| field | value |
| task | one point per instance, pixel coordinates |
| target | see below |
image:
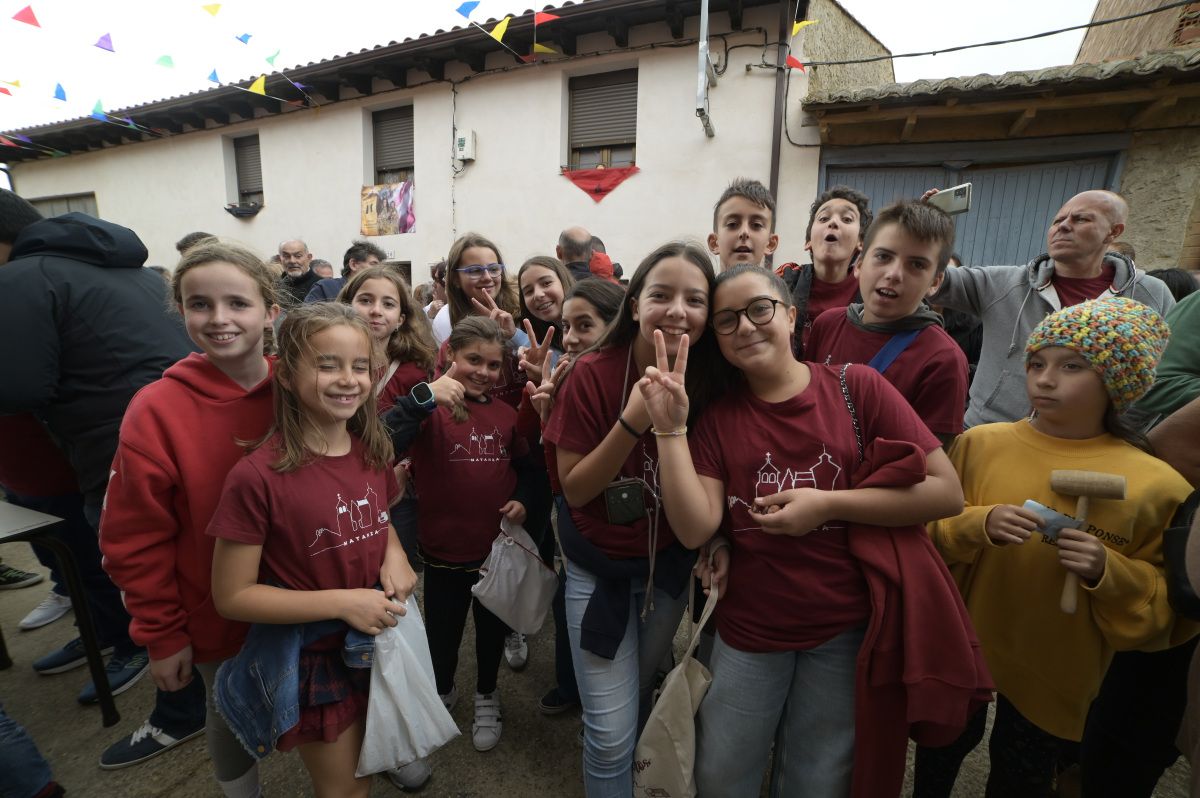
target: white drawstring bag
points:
(665, 756)
(406, 720)
(516, 586)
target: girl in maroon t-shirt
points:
(626, 572)
(303, 535)
(793, 615)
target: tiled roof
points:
(1161, 62)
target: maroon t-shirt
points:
(463, 473)
(585, 409)
(822, 296)
(931, 372)
(402, 381)
(321, 527)
(1073, 290)
(790, 593)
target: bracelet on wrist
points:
(671, 433)
(628, 428)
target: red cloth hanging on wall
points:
(597, 183)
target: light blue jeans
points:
(615, 693)
(23, 771)
(803, 700)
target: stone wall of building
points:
(1132, 37)
(1161, 182)
(839, 36)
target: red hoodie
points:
(179, 440)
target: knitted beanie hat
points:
(1122, 339)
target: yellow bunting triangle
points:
(802, 24)
(542, 48)
(259, 86)
(14, 83)
(212, 8)
(500, 29)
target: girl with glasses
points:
(817, 527)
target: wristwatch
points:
(422, 394)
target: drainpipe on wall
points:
(786, 15)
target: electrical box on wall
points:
(464, 145)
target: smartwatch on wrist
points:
(422, 394)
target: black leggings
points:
(447, 597)
(1022, 757)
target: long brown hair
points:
(460, 303)
(412, 341)
(295, 348)
(565, 279)
(472, 329)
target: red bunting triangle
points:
(542, 16)
(26, 15)
(8, 142)
(599, 183)
(795, 63)
(5, 91)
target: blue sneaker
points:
(123, 672)
(66, 658)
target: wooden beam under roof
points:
(1022, 122)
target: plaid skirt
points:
(332, 696)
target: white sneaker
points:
(516, 650)
(450, 698)
(485, 731)
(52, 608)
(411, 776)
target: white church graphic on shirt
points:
(771, 479)
(481, 447)
(355, 519)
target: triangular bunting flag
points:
(25, 139)
(500, 29)
(5, 142)
(541, 17)
(244, 38)
(802, 24)
(794, 63)
(105, 42)
(5, 91)
(300, 86)
(16, 84)
(598, 183)
(129, 122)
(59, 94)
(98, 112)
(26, 15)
(213, 76)
(259, 86)
(466, 8)
(527, 59)
(545, 48)
(271, 58)
(212, 8)
(166, 61)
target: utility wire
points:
(1095, 24)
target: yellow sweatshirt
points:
(1047, 663)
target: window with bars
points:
(249, 170)
(602, 119)
(393, 142)
(57, 206)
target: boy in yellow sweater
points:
(1085, 364)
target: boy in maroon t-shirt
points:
(893, 330)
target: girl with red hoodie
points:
(179, 439)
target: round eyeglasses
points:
(477, 272)
(760, 311)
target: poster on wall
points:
(388, 209)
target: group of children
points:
(693, 410)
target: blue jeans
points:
(616, 693)
(803, 700)
(25, 771)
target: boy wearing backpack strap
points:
(893, 330)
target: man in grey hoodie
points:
(1011, 300)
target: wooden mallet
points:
(1085, 485)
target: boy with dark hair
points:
(892, 329)
(837, 220)
(743, 224)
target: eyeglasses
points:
(477, 272)
(759, 312)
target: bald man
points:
(575, 251)
(298, 276)
(1011, 300)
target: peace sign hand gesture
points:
(533, 357)
(662, 388)
(496, 314)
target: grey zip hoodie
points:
(1011, 300)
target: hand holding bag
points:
(516, 586)
(406, 719)
(665, 757)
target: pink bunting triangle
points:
(8, 143)
(26, 15)
(105, 42)
(5, 91)
(541, 17)
(794, 62)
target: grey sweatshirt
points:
(1011, 300)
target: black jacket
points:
(293, 290)
(84, 326)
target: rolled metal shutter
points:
(393, 138)
(249, 165)
(603, 109)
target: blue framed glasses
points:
(477, 272)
